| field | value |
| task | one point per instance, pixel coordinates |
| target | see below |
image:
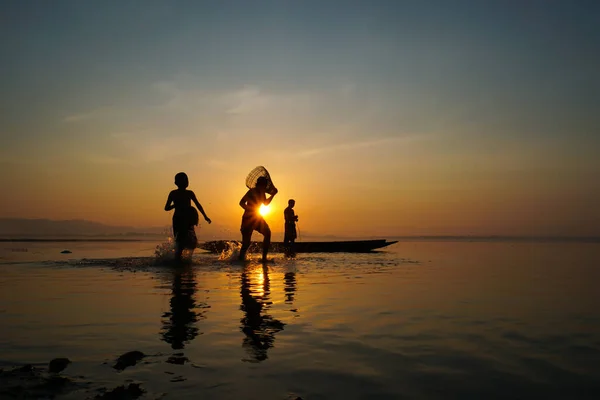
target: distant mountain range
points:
(22, 227)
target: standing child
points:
(290, 234)
(185, 216)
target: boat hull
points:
(351, 246)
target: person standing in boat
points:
(185, 216)
(290, 234)
(252, 220)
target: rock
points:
(58, 364)
(128, 359)
(54, 383)
(26, 368)
(177, 360)
(33, 383)
(66, 252)
(132, 391)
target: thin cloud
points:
(358, 145)
(251, 100)
(247, 100)
(181, 97)
(79, 117)
(84, 116)
(221, 165)
(106, 160)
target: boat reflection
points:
(258, 326)
(179, 323)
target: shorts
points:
(186, 239)
(251, 222)
(183, 230)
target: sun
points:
(264, 210)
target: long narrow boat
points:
(352, 246)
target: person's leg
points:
(178, 251)
(286, 242)
(246, 237)
(286, 239)
(192, 240)
(177, 241)
(293, 237)
(266, 231)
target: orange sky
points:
(392, 188)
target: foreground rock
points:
(128, 359)
(131, 391)
(27, 382)
(58, 364)
(179, 359)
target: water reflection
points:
(179, 323)
(289, 287)
(258, 326)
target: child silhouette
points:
(185, 216)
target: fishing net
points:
(257, 173)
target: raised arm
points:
(268, 201)
(244, 200)
(169, 206)
(199, 206)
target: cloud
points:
(226, 165)
(182, 96)
(246, 100)
(252, 100)
(78, 117)
(362, 144)
(100, 159)
(84, 116)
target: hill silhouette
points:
(24, 227)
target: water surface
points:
(421, 320)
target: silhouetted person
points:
(252, 220)
(290, 234)
(179, 322)
(259, 327)
(185, 216)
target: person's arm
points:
(244, 200)
(168, 205)
(268, 201)
(288, 215)
(199, 206)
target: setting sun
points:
(264, 210)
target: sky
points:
(379, 118)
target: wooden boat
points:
(351, 246)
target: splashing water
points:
(232, 253)
(165, 251)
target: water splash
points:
(165, 251)
(232, 252)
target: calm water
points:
(422, 320)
